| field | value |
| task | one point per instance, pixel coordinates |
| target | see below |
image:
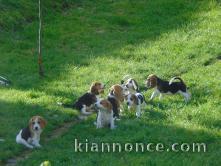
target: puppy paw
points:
(30, 146)
(38, 146)
(138, 115)
(117, 118)
(114, 127)
(95, 123)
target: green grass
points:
(86, 41)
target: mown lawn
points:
(85, 41)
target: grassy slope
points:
(88, 42)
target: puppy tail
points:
(175, 78)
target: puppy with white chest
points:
(167, 87)
(136, 101)
(30, 136)
(116, 98)
(105, 114)
(130, 84)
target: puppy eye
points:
(39, 122)
(131, 98)
(33, 122)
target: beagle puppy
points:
(130, 84)
(85, 103)
(116, 97)
(105, 114)
(167, 87)
(30, 136)
(136, 101)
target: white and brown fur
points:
(116, 98)
(105, 114)
(167, 87)
(30, 136)
(136, 101)
(130, 84)
(85, 103)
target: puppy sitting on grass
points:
(105, 114)
(30, 136)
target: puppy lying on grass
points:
(85, 103)
(30, 136)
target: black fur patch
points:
(164, 86)
(87, 99)
(140, 97)
(116, 110)
(26, 133)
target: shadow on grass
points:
(15, 116)
(121, 24)
(130, 131)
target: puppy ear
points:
(30, 122)
(93, 89)
(111, 91)
(109, 107)
(135, 98)
(153, 81)
(135, 85)
(119, 95)
(43, 122)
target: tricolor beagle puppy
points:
(136, 101)
(130, 84)
(30, 136)
(116, 97)
(105, 114)
(167, 87)
(87, 100)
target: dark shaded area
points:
(145, 133)
(156, 115)
(158, 16)
(218, 57)
(17, 117)
(212, 60)
(16, 14)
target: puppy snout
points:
(128, 103)
(36, 128)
